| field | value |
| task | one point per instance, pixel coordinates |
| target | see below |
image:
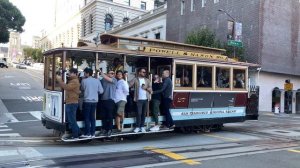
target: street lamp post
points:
(234, 20)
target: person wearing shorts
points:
(122, 91)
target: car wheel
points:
(1, 65)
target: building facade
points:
(36, 42)
(270, 36)
(66, 25)
(14, 47)
(100, 16)
(149, 25)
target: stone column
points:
(282, 101)
(294, 102)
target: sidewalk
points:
(264, 113)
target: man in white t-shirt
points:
(142, 93)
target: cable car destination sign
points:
(185, 53)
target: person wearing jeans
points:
(109, 83)
(155, 102)
(166, 91)
(142, 93)
(72, 89)
(91, 88)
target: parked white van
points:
(3, 63)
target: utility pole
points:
(233, 27)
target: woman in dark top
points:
(155, 102)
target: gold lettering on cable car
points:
(185, 53)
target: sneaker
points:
(93, 136)
(155, 128)
(172, 127)
(143, 129)
(163, 127)
(136, 130)
(103, 133)
(118, 131)
(70, 138)
(109, 133)
(85, 136)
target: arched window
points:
(125, 19)
(108, 22)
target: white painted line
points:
(10, 135)
(29, 152)
(3, 126)
(11, 117)
(23, 121)
(8, 153)
(2, 130)
(36, 114)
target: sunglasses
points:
(112, 73)
(143, 72)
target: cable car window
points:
(58, 70)
(222, 77)
(204, 77)
(48, 73)
(239, 79)
(184, 75)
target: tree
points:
(207, 38)
(33, 53)
(11, 19)
(203, 37)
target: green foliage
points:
(207, 38)
(239, 52)
(11, 19)
(33, 53)
(203, 37)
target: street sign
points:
(288, 86)
(234, 43)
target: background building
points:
(66, 25)
(99, 16)
(149, 25)
(3, 52)
(36, 42)
(14, 47)
(270, 37)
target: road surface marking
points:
(10, 135)
(8, 153)
(36, 114)
(33, 98)
(220, 137)
(2, 130)
(296, 151)
(3, 126)
(23, 121)
(173, 156)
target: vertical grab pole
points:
(64, 72)
(97, 77)
(148, 102)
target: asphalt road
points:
(273, 141)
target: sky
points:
(39, 15)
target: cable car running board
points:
(114, 135)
